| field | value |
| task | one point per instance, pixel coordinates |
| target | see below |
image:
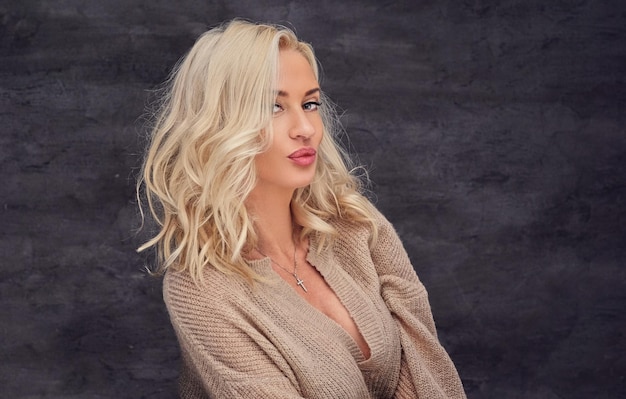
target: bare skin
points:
(297, 125)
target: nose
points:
(301, 126)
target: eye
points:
(277, 108)
(311, 106)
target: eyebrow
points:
(281, 93)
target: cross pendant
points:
(301, 284)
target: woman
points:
(281, 279)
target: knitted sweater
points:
(265, 341)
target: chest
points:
(336, 326)
(323, 298)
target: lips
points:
(303, 156)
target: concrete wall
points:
(493, 131)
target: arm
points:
(426, 368)
(402, 290)
(223, 355)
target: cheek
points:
(279, 126)
(320, 129)
(318, 125)
(263, 139)
(267, 160)
(264, 159)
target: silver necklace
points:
(299, 281)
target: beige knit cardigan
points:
(265, 341)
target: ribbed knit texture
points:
(266, 341)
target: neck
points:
(273, 221)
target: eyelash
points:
(316, 103)
(307, 104)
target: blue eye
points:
(277, 108)
(311, 106)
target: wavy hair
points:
(199, 165)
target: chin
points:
(303, 183)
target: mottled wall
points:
(493, 131)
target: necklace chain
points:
(299, 281)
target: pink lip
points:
(303, 156)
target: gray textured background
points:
(493, 130)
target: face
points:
(290, 161)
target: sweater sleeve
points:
(426, 369)
(222, 355)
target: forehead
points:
(294, 70)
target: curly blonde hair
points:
(199, 166)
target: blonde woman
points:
(281, 279)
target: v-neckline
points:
(320, 262)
